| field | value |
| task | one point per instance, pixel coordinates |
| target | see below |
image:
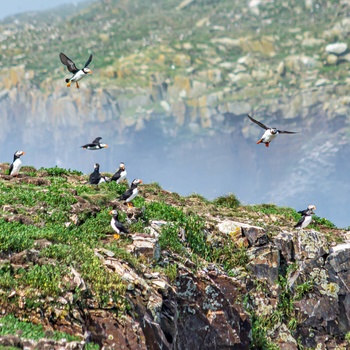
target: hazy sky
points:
(12, 7)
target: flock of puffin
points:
(96, 178)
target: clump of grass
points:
(323, 222)
(229, 201)
(57, 171)
(11, 325)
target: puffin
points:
(116, 225)
(120, 175)
(305, 219)
(95, 145)
(95, 177)
(16, 164)
(270, 133)
(309, 207)
(77, 73)
(131, 193)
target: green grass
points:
(11, 325)
(229, 201)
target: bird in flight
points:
(77, 73)
(95, 145)
(270, 133)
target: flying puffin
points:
(77, 73)
(116, 225)
(270, 133)
(120, 175)
(95, 177)
(306, 218)
(131, 193)
(95, 145)
(309, 207)
(16, 164)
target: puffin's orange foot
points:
(68, 84)
(116, 236)
(77, 85)
(129, 204)
(267, 144)
(258, 142)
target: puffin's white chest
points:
(17, 164)
(135, 191)
(77, 76)
(122, 176)
(268, 136)
(114, 227)
(306, 221)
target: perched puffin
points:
(120, 175)
(131, 193)
(305, 219)
(77, 73)
(95, 145)
(95, 177)
(270, 133)
(117, 226)
(16, 164)
(309, 207)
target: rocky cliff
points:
(191, 274)
(189, 70)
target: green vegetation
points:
(57, 229)
(229, 201)
(11, 325)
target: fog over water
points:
(216, 165)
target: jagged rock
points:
(336, 48)
(25, 257)
(310, 245)
(146, 246)
(284, 243)
(264, 262)
(338, 267)
(255, 235)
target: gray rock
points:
(336, 48)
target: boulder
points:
(336, 48)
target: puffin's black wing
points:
(88, 61)
(258, 123)
(69, 63)
(11, 167)
(97, 140)
(287, 132)
(300, 222)
(94, 178)
(120, 226)
(116, 176)
(126, 194)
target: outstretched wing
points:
(97, 140)
(258, 123)
(88, 61)
(69, 63)
(287, 132)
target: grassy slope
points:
(114, 29)
(46, 204)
